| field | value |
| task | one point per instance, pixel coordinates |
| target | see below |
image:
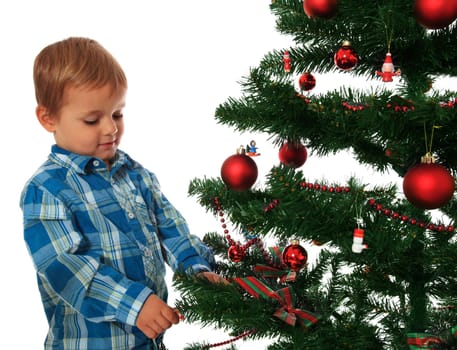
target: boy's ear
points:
(46, 120)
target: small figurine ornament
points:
(357, 241)
(286, 60)
(252, 149)
(388, 71)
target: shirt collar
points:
(83, 164)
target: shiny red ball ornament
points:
(320, 8)
(236, 253)
(435, 14)
(295, 256)
(428, 186)
(239, 172)
(293, 154)
(345, 58)
(307, 81)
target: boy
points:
(96, 224)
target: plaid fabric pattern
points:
(99, 240)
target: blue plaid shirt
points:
(99, 240)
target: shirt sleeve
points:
(185, 253)
(69, 270)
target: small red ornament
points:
(239, 172)
(346, 58)
(286, 60)
(236, 253)
(428, 185)
(320, 8)
(295, 256)
(435, 14)
(357, 241)
(307, 81)
(293, 154)
(388, 71)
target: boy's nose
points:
(110, 127)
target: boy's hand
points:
(156, 316)
(213, 277)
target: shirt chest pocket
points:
(109, 234)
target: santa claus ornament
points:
(286, 61)
(388, 70)
(357, 241)
(428, 185)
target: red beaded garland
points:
(324, 188)
(236, 252)
(354, 106)
(449, 104)
(397, 105)
(412, 221)
(238, 337)
(273, 204)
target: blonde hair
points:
(73, 62)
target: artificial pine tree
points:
(385, 276)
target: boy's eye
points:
(118, 115)
(90, 122)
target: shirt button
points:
(96, 163)
(131, 215)
(147, 253)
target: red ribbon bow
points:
(422, 341)
(287, 312)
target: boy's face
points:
(90, 121)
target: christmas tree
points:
(384, 276)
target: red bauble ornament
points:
(320, 8)
(236, 253)
(435, 14)
(428, 186)
(295, 256)
(346, 58)
(307, 81)
(293, 154)
(239, 172)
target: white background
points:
(182, 59)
